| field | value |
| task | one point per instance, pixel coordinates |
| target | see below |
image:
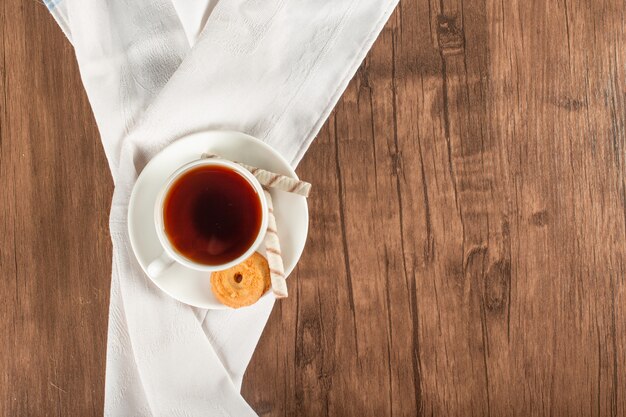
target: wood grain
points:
(55, 193)
(467, 249)
(468, 241)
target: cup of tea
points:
(210, 215)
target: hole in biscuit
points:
(238, 278)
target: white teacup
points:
(170, 255)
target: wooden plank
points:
(55, 250)
(486, 245)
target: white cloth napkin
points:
(270, 68)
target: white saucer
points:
(187, 285)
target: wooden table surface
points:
(467, 249)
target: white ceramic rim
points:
(160, 227)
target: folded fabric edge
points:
(342, 83)
(58, 11)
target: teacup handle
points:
(160, 264)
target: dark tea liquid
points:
(212, 215)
